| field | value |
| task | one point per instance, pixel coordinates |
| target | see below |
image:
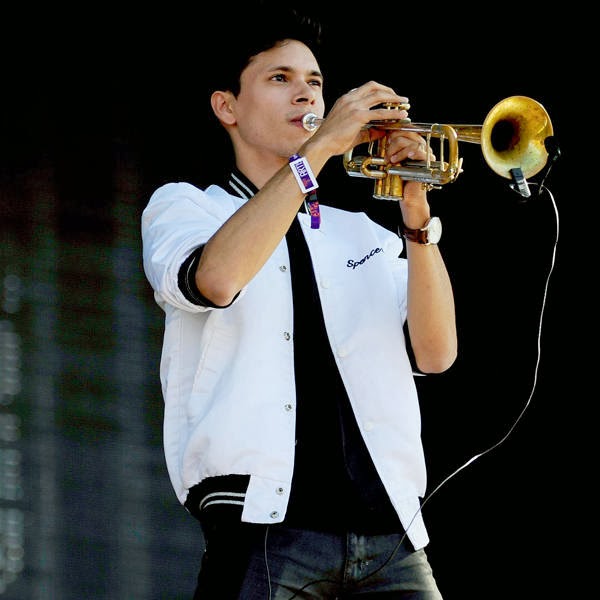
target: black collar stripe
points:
(241, 185)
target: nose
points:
(305, 93)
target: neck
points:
(259, 172)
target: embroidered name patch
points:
(352, 264)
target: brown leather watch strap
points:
(414, 235)
(428, 234)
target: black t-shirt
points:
(335, 484)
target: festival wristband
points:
(303, 173)
(313, 210)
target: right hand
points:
(344, 127)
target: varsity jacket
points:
(227, 375)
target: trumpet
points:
(512, 139)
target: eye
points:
(279, 77)
(316, 82)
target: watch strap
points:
(420, 236)
(415, 235)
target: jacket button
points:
(287, 336)
(274, 514)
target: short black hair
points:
(258, 26)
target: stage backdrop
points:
(90, 127)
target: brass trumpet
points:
(512, 140)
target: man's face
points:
(278, 88)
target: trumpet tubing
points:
(512, 136)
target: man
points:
(292, 427)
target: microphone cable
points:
(542, 188)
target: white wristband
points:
(303, 173)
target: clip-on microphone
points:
(519, 183)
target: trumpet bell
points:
(513, 136)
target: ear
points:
(221, 103)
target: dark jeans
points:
(275, 562)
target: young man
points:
(292, 426)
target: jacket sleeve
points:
(177, 221)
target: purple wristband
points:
(303, 173)
(314, 211)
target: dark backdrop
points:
(95, 115)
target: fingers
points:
(366, 113)
(376, 93)
(403, 145)
(375, 102)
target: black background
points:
(113, 89)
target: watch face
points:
(434, 230)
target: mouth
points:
(299, 121)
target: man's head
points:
(271, 81)
(256, 27)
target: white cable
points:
(542, 188)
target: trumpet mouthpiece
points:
(311, 122)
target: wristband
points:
(313, 210)
(303, 173)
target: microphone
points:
(519, 183)
(552, 147)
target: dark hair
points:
(259, 26)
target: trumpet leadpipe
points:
(311, 122)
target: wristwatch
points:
(429, 234)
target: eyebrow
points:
(287, 69)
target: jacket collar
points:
(239, 185)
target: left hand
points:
(404, 145)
